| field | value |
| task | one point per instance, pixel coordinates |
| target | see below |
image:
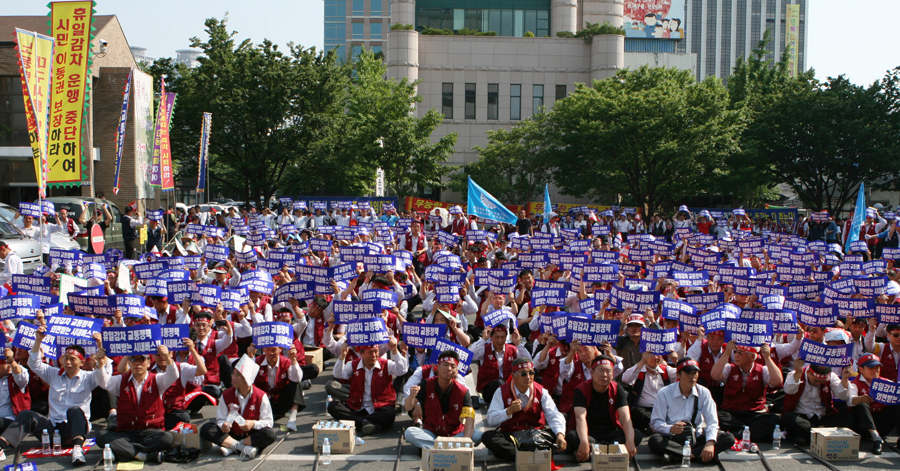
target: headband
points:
(450, 359)
(686, 364)
(522, 366)
(812, 373)
(500, 327)
(747, 349)
(72, 351)
(602, 362)
(363, 348)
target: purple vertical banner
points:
(156, 164)
(120, 131)
(204, 151)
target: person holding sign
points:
(646, 379)
(495, 359)
(141, 410)
(601, 412)
(225, 275)
(210, 346)
(808, 400)
(707, 350)
(280, 377)
(175, 399)
(744, 404)
(69, 399)
(576, 369)
(889, 353)
(244, 415)
(873, 417)
(677, 414)
(628, 346)
(12, 264)
(16, 397)
(372, 397)
(445, 404)
(521, 404)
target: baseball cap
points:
(635, 319)
(869, 360)
(687, 364)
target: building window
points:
(560, 92)
(335, 32)
(377, 8)
(515, 102)
(470, 101)
(538, 99)
(376, 30)
(356, 51)
(359, 7)
(335, 10)
(359, 31)
(493, 101)
(13, 123)
(376, 50)
(447, 100)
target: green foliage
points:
(401, 26)
(652, 134)
(565, 34)
(459, 32)
(593, 29)
(528, 34)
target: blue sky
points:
(843, 37)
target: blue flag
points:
(859, 217)
(547, 206)
(483, 205)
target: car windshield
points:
(7, 229)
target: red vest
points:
(458, 226)
(281, 377)
(301, 351)
(749, 397)
(436, 421)
(173, 398)
(888, 366)
(706, 363)
(211, 358)
(524, 419)
(232, 350)
(319, 333)
(21, 400)
(383, 394)
(568, 393)
(251, 410)
(587, 389)
(489, 370)
(550, 375)
(172, 316)
(420, 244)
(148, 413)
(862, 389)
(791, 400)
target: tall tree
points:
(653, 133)
(381, 129)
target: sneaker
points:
(368, 428)
(666, 459)
(2, 455)
(292, 426)
(249, 452)
(417, 423)
(226, 450)
(112, 421)
(78, 456)
(306, 384)
(877, 447)
(156, 457)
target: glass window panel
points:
(459, 19)
(376, 49)
(375, 30)
(515, 102)
(359, 7)
(356, 51)
(495, 21)
(359, 31)
(470, 101)
(506, 23)
(447, 100)
(519, 23)
(473, 19)
(560, 92)
(531, 21)
(377, 7)
(493, 101)
(538, 99)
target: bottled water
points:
(776, 438)
(686, 454)
(57, 442)
(45, 443)
(596, 449)
(745, 441)
(326, 453)
(108, 459)
(234, 417)
(440, 445)
(327, 403)
(360, 441)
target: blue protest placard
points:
(749, 333)
(180, 290)
(691, 279)
(387, 299)
(37, 284)
(19, 307)
(887, 313)
(207, 296)
(714, 319)
(548, 297)
(25, 336)
(131, 305)
(134, 340)
(601, 256)
(447, 239)
(659, 342)
(30, 209)
(349, 311)
(482, 275)
(172, 335)
(605, 273)
(299, 290)
(320, 245)
(884, 391)
(783, 321)
(246, 257)
(592, 332)
(233, 299)
(367, 332)
(260, 281)
(811, 313)
(825, 355)
(175, 275)
(442, 345)
(74, 326)
(501, 284)
(148, 270)
(447, 294)
(423, 335)
(89, 305)
(493, 318)
(533, 260)
(869, 286)
(629, 269)
(674, 309)
(639, 301)
(860, 308)
(216, 253)
(51, 310)
(192, 262)
(273, 334)
(65, 258)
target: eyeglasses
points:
(525, 374)
(895, 334)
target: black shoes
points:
(877, 447)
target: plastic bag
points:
(534, 439)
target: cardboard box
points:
(835, 444)
(342, 440)
(449, 458)
(538, 460)
(314, 357)
(191, 440)
(610, 458)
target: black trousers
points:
(383, 416)
(30, 422)
(310, 372)
(489, 389)
(225, 369)
(665, 445)
(762, 425)
(883, 421)
(174, 416)
(606, 438)
(640, 418)
(129, 249)
(5, 423)
(126, 445)
(259, 439)
(337, 390)
(200, 401)
(799, 426)
(501, 444)
(286, 398)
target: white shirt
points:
(13, 267)
(295, 374)
(222, 343)
(113, 384)
(497, 411)
(652, 382)
(810, 402)
(478, 353)
(6, 409)
(66, 392)
(265, 419)
(672, 407)
(395, 368)
(416, 379)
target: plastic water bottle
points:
(686, 454)
(359, 440)
(232, 414)
(327, 403)
(776, 438)
(745, 441)
(57, 443)
(326, 453)
(596, 449)
(440, 445)
(108, 459)
(45, 443)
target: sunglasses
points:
(895, 334)
(525, 374)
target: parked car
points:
(28, 249)
(113, 234)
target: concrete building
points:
(188, 57)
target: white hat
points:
(892, 288)
(247, 368)
(637, 287)
(635, 319)
(835, 335)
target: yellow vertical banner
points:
(791, 36)
(35, 66)
(71, 27)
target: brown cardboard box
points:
(191, 440)
(450, 458)
(610, 458)
(314, 357)
(533, 460)
(835, 444)
(342, 440)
